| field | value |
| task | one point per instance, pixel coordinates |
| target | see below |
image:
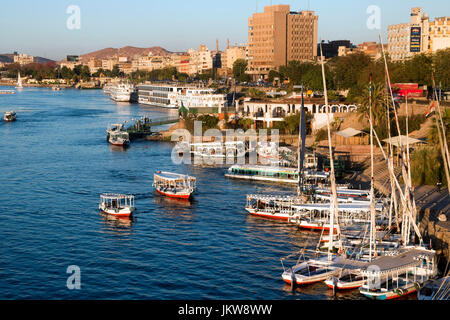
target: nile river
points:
(55, 163)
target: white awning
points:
(349, 132)
(395, 141)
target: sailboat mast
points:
(372, 247)
(442, 136)
(301, 150)
(334, 201)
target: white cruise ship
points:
(164, 96)
(171, 96)
(121, 92)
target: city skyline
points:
(41, 29)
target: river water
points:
(55, 163)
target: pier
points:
(142, 128)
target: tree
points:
(239, 68)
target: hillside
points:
(9, 58)
(124, 52)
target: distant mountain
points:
(9, 58)
(128, 51)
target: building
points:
(372, 49)
(265, 112)
(420, 35)
(94, 65)
(108, 64)
(200, 60)
(439, 34)
(332, 49)
(277, 36)
(232, 54)
(23, 59)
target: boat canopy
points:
(399, 261)
(342, 207)
(264, 168)
(115, 196)
(169, 176)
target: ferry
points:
(263, 173)
(174, 185)
(10, 116)
(117, 136)
(164, 96)
(122, 92)
(399, 274)
(118, 205)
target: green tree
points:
(239, 68)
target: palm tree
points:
(378, 104)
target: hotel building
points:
(277, 36)
(420, 35)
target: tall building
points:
(277, 36)
(420, 35)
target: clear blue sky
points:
(39, 27)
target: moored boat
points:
(399, 274)
(118, 205)
(117, 136)
(10, 116)
(174, 185)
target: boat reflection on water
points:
(118, 222)
(114, 148)
(173, 202)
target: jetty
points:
(142, 128)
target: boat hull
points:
(181, 195)
(120, 213)
(275, 216)
(389, 295)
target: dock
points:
(142, 128)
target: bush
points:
(427, 167)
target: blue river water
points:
(55, 163)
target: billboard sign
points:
(416, 33)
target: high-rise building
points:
(277, 36)
(420, 35)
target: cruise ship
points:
(172, 96)
(165, 96)
(121, 92)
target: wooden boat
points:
(399, 274)
(272, 207)
(174, 185)
(310, 271)
(118, 205)
(10, 116)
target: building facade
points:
(23, 59)
(277, 36)
(420, 35)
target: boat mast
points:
(442, 136)
(409, 210)
(334, 201)
(372, 247)
(301, 150)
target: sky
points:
(40, 27)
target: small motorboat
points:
(10, 116)
(174, 185)
(118, 205)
